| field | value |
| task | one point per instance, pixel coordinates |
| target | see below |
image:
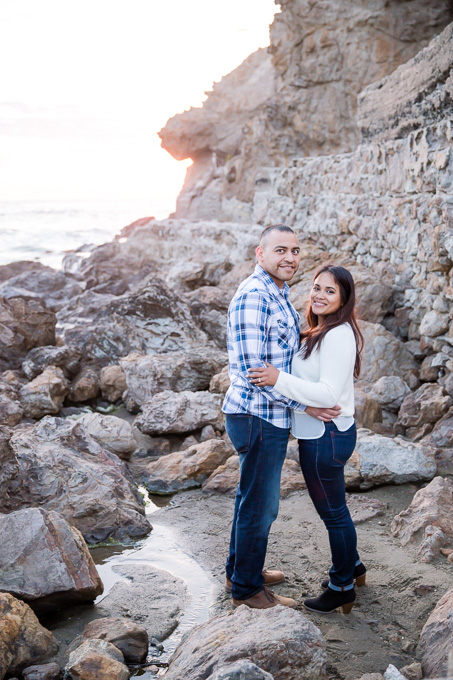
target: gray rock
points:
(112, 433)
(152, 598)
(96, 660)
(428, 521)
(390, 391)
(384, 354)
(45, 561)
(45, 394)
(280, 641)
(436, 639)
(39, 358)
(127, 636)
(23, 641)
(48, 671)
(24, 324)
(179, 371)
(179, 412)
(57, 465)
(51, 286)
(11, 411)
(241, 670)
(427, 405)
(392, 673)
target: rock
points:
(363, 508)
(24, 323)
(279, 640)
(428, 521)
(44, 561)
(220, 382)
(127, 636)
(392, 673)
(434, 324)
(7, 271)
(413, 671)
(436, 639)
(113, 383)
(49, 285)
(384, 355)
(112, 433)
(390, 391)
(39, 358)
(23, 641)
(45, 394)
(207, 432)
(225, 478)
(292, 478)
(48, 671)
(85, 385)
(367, 409)
(188, 468)
(96, 660)
(171, 412)
(58, 466)
(427, 405)
(381, 460)
(150, 597)
(442, 433)
(179, 371)
(11, 412)
(241, 670)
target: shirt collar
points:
(268, 281)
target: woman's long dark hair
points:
(345, 314)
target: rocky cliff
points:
(296, 99)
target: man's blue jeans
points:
(322, 461)
(262, 449)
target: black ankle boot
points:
(330, 600)
(359, 576)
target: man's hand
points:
(263, 377)
(324, 414)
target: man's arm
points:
(249, 320)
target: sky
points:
(85, 86)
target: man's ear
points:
(259, 253)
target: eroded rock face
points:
(428, 521)
(188, 468)
(279, 640)
(179, 371)
(436, 637)
(96, 660)
(45, 561)
(57, 465)
(24, 324)
(127, 636)
(173, 413)
(23, 641)
(45, 394)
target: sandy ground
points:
(390, 611)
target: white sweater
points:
(325, 379)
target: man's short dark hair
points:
(274, 227)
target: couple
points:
(275, 386)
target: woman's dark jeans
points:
(262, 449)
(322, 461)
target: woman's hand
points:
(263, 377)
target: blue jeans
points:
(322, 461)
(262, 449)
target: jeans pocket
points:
(343, 444)
(239, 430)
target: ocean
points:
(46, 230)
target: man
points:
(262, 326)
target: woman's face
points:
(325, 295)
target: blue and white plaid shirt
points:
(262, 326)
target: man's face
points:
(279, 256)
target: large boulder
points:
(390, 391)
(23, 641)
(428, 521)
(96, 660)
(436, 639)
(188, 468)
(57, 465)
(45, 394)
(112, 433)
(279, 640)
(384, 354)
(24, 324)
(146, 375)
(381, 460)
(179, 412)
(45, 561)
(127, 636)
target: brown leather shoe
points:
(271, 578)
(264, 600)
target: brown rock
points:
(413, 671)
(24, 323)
(85, 385)
(48, 671)
(427, 405)
(96, 660)
(220, 382)
(11, 412)
(436, 638)
(363, 508)
(45, 394)
(45, 561)
(127, 636)
(428, 521)
(113, 383)
(23, 641)
(367, 409)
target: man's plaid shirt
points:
(262, 326)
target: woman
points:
(322, 375)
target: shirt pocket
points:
(284, 333)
